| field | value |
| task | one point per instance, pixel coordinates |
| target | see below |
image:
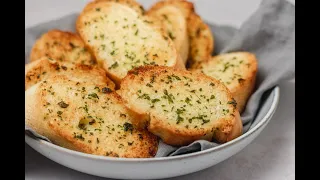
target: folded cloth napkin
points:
(269, 33)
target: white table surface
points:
(270, 156)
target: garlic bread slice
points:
(130, 3)
(121, 40)
(185, 7)
(175, 25)
(43, 68)
(201, 40)
(63, 46)
(237, 70)
(180, 106)
(86, 117)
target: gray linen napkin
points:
(269, 33)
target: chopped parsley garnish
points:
(114, 65)
(127, 126)
(106, 90)
(93, 95)
(62, 104)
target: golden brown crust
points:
(63, 46)
(182, 106)
(201, 40)
(186, 7)
(175, 25)
(43, 68)
(130, 3)
(121, 40)
(224, 134)
(237, 70)
(86, 118)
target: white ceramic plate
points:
(160, 167)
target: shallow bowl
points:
(159, 167)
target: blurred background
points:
(226, 12)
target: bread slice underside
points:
(44, 68)
(86, 117)
(180, 106)
(237, 70)
(63, 46)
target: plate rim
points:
(263, 121)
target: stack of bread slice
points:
(199, 38)
(129, 77)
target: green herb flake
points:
(72, 45)
(93, 95)
(62, 104)
(233, 102)
(97, 88)
(130, 143)
(171, 35)
(92, 122)
(205, 121)
(114, 65)
(179, 119)
(106, 90)
(240, 80)
(136, 33)
(187, 100)
(168, 96)
(155, 100)
(79, 136)
(127, 127)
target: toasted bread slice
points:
(130, 3)
(62, 46)
(42, 69)
(201, 40)
(236, 70)
(175, 25)
(180, 106)
(185, 7)
(121, 40)
(86, 117)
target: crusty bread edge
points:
(243, 92)
(179, 64)
(58, 136)
(195, 21)
(42, 127)
(228, 130)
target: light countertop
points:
(270, 156)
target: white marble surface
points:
(270, 156)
